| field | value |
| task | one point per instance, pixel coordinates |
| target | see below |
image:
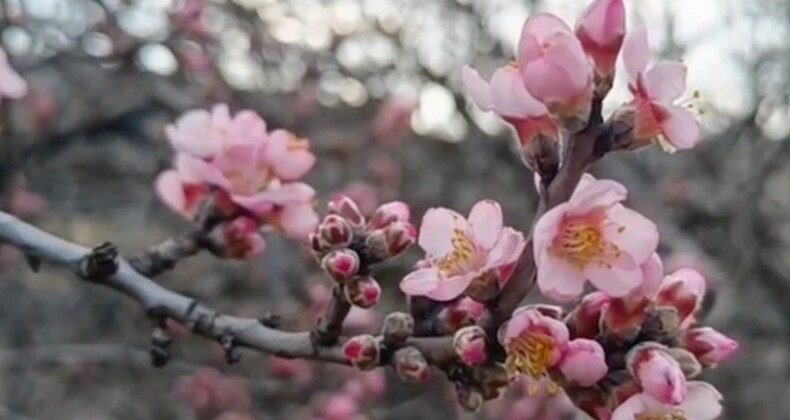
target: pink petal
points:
(629, 409)
(633, 233)
(510, 98)
(559, 280)
(12, 85)
(287, 194)
(191, 134)
(666, 81)
(437, 230)
(636, 53)
(206, 172)
(538, 28)
(681, 128)
(220, 115)
(298, 221)
(584, 362)
(420, 282)
(615, 282)
(550, 82)
(170, 190)
(546, 229)
(603, 21)
(703, 401)
(508, 248)
(598, 194)
(653, 272)
(478, 88)
(288, 164)
(485, 220)
(248, 123)
(450, 288)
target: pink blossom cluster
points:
(559, 70)
(252, 175)
(346, 244)
(210, 393)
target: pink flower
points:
(181, 189)
(392, 121)
(394, 211)
(240, 239)
(461, 313)
(534, 342)
(12, 85)
(659, 375)
(554, 67)
(601, 30)
(507, 96)
(461, 251)
(683, 290)
(592, 237)
(583, 362)
(703, 402)
(709, 346)
(340, 407)
(655, 90)
(586, 318)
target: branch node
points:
(160, 346)
(100, 263)
(271, 321)
(230, 344)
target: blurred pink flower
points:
(655, 90)
(209, 391)
(189, 17)
(554, 67)
(592, 237)
(460, 251)
(659, 375)
(507, 96)
(12, 85)
(703, 402)
(386, 170)
(23, 203)
(393, 119)
(365, 196)
(240, 238)
(583, 362)
(601, 30)
(534, 344)
(709, 346)
(299, 371)
(360, 319)
(340, 407)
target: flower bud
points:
(238, 239)
(623, 123)
(411, 365)
(585, 320)
(341, 264)
(362, 352)
(334, 232)
(542, 155)
(660, 375)
(395, 211)
(469, 399)
(622, 318)
(601, 30)
(688, 363)
(397, 327)
(346, 208)
(385, 243)
(683, 290)
(470, 345)
(583, 362)
(709, 346)
(363, 291)
(315, 245)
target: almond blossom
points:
(601, 30)
(592, 237)
(554, 66)
(655, 91)
(583, 362)
(703, 402)
(460, 251)
(659, 375)
(12, 85)
(507, 96)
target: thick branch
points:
(203, 320)
(163, 257)
(584, 148)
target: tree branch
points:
(163, 257)
(330, 325)
(161, 302)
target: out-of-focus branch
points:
(584, 148)
(159, 302)
(164, 257)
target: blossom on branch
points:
(461, 253)
(601, 30)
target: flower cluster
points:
(251, 175)
(558, 71)
(346, 244)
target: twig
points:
(163, 257)
(330, 325)
(159, 301)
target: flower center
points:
(460, 259)
(669, 415)
(583, 243)
(249, 180)
(530, 354)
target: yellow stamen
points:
(670, 415)
(583, 243)
(461, 256)
(530, 354)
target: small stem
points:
(330, 325)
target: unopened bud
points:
(237, 239)
(411, 365)
(395, 211)
(542, 155)
(363, 291)
(585, 320)
(470, 345)
(462, 313)
(334, 232)
(346, 208)
(382, 244)
(708, 345)
(661, 323)
(397, 327)
(341, 264)
(659, 374)
(362, 352)
(623, 129)
(469, 399)
(622, 318)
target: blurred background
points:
(375, 86)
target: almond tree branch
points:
(164, 257)
(163, 303)
(583, 148)
(330, 325)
